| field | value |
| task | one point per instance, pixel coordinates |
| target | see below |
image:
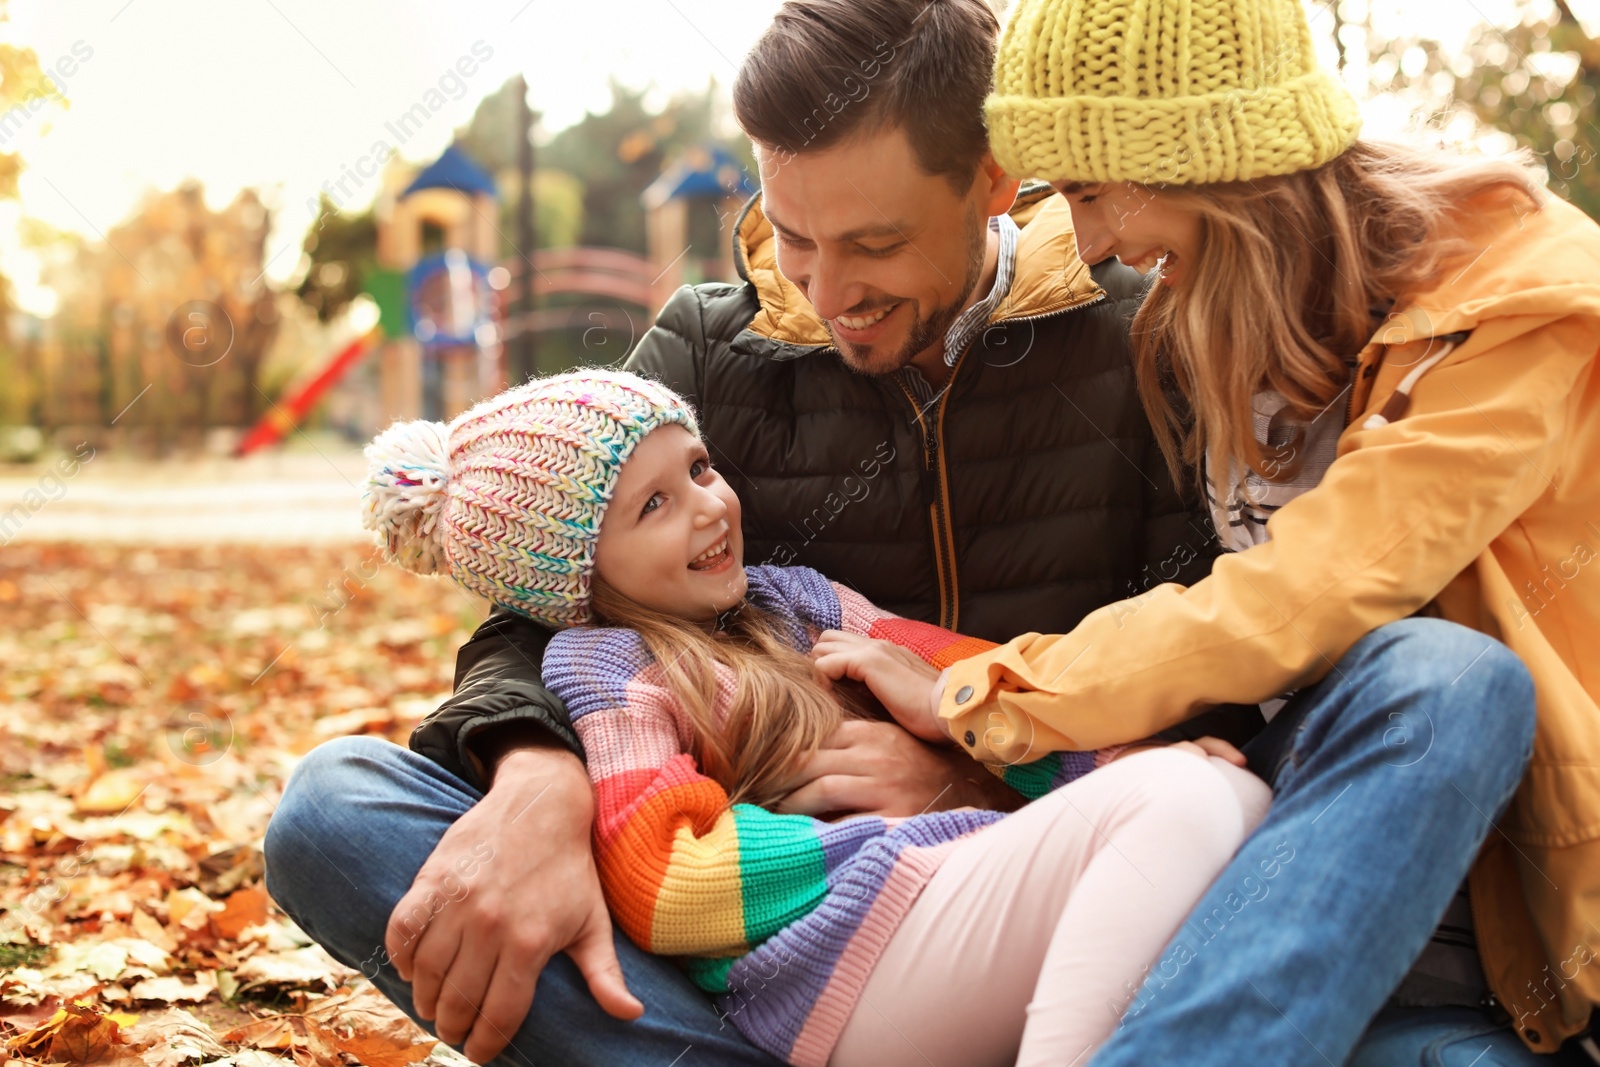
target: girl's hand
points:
(896, 676)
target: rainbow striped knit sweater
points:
(781, 916)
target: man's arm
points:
(498, 700)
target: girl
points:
(588, 502)
(1389, 359)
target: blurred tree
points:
(612, 155)
(1534, 79)
(166, 322)
(342, 249)
(26, 89)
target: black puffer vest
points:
(1030, 493)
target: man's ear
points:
(1000, 187)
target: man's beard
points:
(926, 330)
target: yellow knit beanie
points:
(1164, 92)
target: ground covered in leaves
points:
(153, 702)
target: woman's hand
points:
(896, 676)
(1201, 746)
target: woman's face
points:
(670, 538)
(1135, 223)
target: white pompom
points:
(408, 468)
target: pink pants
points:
(1030, 940)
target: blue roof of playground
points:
(705, 171)
(453, 170)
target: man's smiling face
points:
(887, 253)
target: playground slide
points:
(288, 412)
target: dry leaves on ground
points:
(153, 703)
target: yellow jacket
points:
(1481, 505)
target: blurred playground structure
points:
(170, 339)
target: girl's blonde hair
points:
(781, 711)
(1283, 288)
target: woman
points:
(1387, 360)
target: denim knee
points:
(313, 821)
(1471, 679)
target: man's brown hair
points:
(826, 69)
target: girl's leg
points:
(1034, 932)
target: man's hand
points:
(900, 680)
(509, 885)
(877, 768)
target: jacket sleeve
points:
(1404, 509)
(497, 682)
(683, 872)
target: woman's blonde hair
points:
(1283, 288)
(781, 711)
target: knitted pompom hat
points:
(1177, 92)
(508, 498)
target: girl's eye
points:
(651, 504)
(698, 468)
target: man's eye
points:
(651, 504)
(886, 251)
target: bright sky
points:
(284, 94)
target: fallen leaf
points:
(75, 1033)
(103, 960)
(243, 908)
(114, 791)
(146, 926)
(172, 988)
(297, 967)
(190, 909)
(273, 1032)
(171, 1038)
(367, 1026)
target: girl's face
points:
(670, 539)
(1135, 223)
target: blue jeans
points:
(1386, 776)
(359, 817)
(1450, 1037)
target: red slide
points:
(285, 415)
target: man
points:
(912, 391)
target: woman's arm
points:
(1391, 524)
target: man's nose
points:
(830, 288)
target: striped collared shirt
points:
(976, 317)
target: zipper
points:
(935, 479)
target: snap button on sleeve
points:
(963, 695)
(971, 739)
